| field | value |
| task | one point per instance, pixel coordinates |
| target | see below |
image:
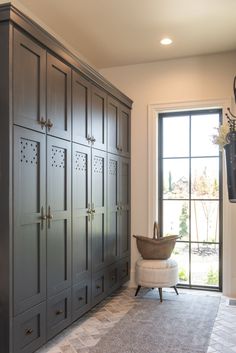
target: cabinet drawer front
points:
(81, 298)
(29, 329)
(98, 287)
(58, 313)
(112, 278)
(124, 270)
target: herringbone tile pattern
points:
(87, 331)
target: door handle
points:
(49, 216)
(42, 122)
(43, 217)
(49, 124)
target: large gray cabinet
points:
(64, 185)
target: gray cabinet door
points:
(81, 109)
(29, 237)
(124, 131)
(81, 201)
(99, 119)
(113, 190)
(58, 215)
(112, 125)
(124, 211)
(29, 84)
(99, 172)
(58, 98)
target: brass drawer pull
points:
(29, 331)
(59, 312)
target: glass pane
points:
(203, 127)
(176, 136)
(176, 218)
(176, 178)
(205, 178)
(205, 264)
(181, 255)
(205, 221)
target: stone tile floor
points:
(87, 331)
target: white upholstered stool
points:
(156, 274)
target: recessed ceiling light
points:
(166, 41)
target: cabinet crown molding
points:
(9, 12)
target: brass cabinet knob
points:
(80, 298)
(98, 287)
(59, 312)
(29, 331)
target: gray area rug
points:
(181, 324)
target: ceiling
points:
(123, 32)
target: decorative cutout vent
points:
(58, 157)
(29, 152)
(98, 164)
(80, 161)
(112, 167)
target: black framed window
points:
(190, 194)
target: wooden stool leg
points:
(176, 290)
(160, 293)
(137, 290)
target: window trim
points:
(152, 172)
(191, 113)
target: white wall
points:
(173, 81)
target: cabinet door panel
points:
(125, 206)
(112, 125)
(59, 216)
(112, 242)
(29, 84)
(99, 171)
(29, 228)
(81, 113)
(125, 131)
(81, 240)
(58, 98)
(99, 118)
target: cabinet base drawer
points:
(124, 270)
(98, 286)
(81, 298)
(58, 313)
(113, 278)
(30, 329)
